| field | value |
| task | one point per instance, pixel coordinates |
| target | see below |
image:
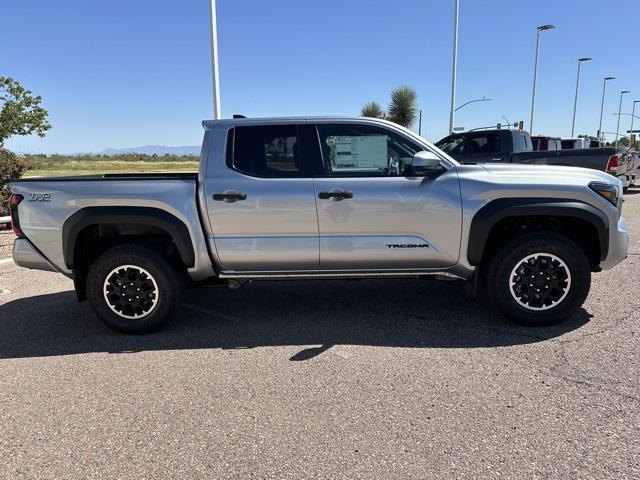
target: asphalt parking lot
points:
(369, 379)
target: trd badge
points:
(40, 197)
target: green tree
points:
(403, 108)
(372, 110)
(11, 168)
(21, 113)
(623, 142)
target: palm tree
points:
(403, 109)
(372, 110)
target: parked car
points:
(546, 143)
(633, 164)
(514, 146)
(575, 143)
(322, 198)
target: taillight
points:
(13, 211)
(612, 164)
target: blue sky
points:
(124, 73)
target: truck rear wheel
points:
(133, 289)
(538, 279)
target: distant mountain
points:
(154, 149)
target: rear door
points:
(373, 214)
(260, 202)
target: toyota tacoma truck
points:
(322, 198)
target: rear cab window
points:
(265, 151)
(521, 142)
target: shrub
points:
(11, 168)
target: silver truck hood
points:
(547, 172)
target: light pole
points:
(454, 69)
(541, 28)
(633, 111)
(604, 88)
(483, 99)
(620, 110)
(217, 114)
(575, 101)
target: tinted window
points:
(520, 143)
(266, 151)
(568, 144)
(470, 144)
(362, 150)
(537, 142)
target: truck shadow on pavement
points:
(313, 315)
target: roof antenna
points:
(238, 116)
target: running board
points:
(336, 276)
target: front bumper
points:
(27, 256)
(618, 245)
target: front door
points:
(261, 202)
(373, 214)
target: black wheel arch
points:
(131, 217)
(502, 209)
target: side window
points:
(471, 144)
(519, 142)
(365, 151)
(265, 151)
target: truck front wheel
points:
(538, 278)
(133, 289)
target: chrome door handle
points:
(337, 194)
(229, 196)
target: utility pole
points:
(454, 69)
(575, 101)
(541, 28)
(604, 88)
(633, 114)
(217, 113)
(619, 115)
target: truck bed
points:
(113, 176)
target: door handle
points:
(229, 196)
(336, 193)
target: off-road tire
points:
(163, 289)
(503, 289)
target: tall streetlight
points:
(454, 69)
(633, 111)
(604, 88)
(620, 110)
(575, 100)
(217, 114)
(541, 28)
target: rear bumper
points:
(618, 244)
(27, 256)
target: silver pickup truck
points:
(329, 198)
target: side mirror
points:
(426, 164)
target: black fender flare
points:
(496, 210)
(155, 217)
